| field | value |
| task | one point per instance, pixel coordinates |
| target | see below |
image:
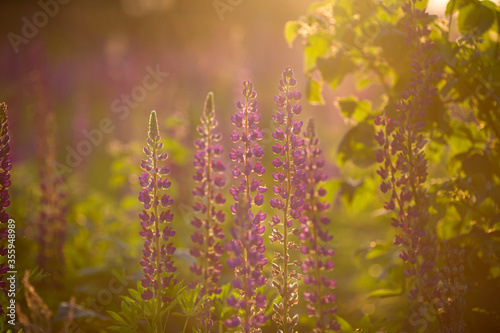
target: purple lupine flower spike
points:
(247, 261)
(249, 153)
(452, 298)
(5, 166)
(403, 164)
(52, 207)
(315, 240)
(209, 168)
(247, 246)
(157, 263)
(289, 191)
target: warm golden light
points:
(437, 7)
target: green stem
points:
(185, 325)
(245, 254)
(285, 230)
(450, 18)
(157, 229)
(166, 321)
(209, 208)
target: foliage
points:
(456, 127)
(139, 315)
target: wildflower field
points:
(250, 166)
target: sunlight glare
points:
(437, 7)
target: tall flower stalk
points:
(453, 289)
(247, 246)
(207, 249)
(289, 190)
(315, 240)
(404, 165)
(156, 218)
(51, 220)
(5, 166)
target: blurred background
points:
(83, 71)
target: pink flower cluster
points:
(247, 247)
(403, 164)
(209, 217)
(157, 263)
(315, 240)
(297, 198)
(289, 193)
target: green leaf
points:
(135, 294)
(125, 309)
(364, 324)
(490, 4)
(317, 45)
(342, 13)
(378, 250)
(348, 189)
(116, 317)
(376, 326)
(188, 302)
(477, 163)
(358, 146)
(220, 309)
(353, 108)
(421, 5)
(345, 327)
(127, 299)
(331, 188)
(392, 41)
(334, 69)
(475, 16)
(291, 31)
(455, 5)
(316, 6)
(382, 293)
(358, 194)
(314, 91)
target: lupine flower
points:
(247, 262)
(156, 218)
(207, 197)
(51, 220)
(289, 191)
(315, 240)
(403, 164)
(249, 153)
(247, 246)
(452, 302)
(206, 321)
(5, 166)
